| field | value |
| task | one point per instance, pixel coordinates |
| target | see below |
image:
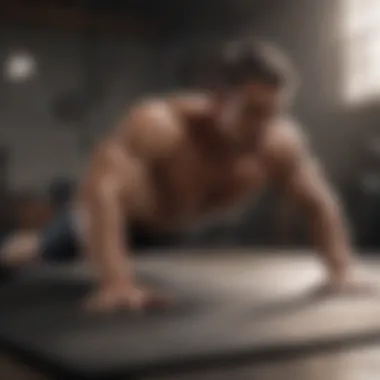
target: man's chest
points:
(194, 182)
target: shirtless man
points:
(173, 161)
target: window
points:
(361, 49)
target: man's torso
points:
(207, 173)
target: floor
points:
(363, 364)
(357, 365)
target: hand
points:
(346, 285)
(115, 297)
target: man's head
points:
(257, 82)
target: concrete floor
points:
(363, 364)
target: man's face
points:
(251, 107)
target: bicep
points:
(150, 130)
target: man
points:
(176, 160)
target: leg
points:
(56, 242)
(59, 239)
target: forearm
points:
(110, 264)
(299, 175)
(330, 234)
(105, 242)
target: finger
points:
(135, 300)
(159, 301)
(101, 303)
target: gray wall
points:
(41, 146)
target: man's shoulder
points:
(168, 107)
(151, 111)
(285, 140)
(153, 126)
(285, 133)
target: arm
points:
(112, 185)
(300, 177)
(105, 231)
(109, 252)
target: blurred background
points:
(70, 69)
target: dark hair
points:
(249, 58)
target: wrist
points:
(116, 271)
(341, 265)
(115, 283)
(117, 279)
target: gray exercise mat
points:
(230, 304)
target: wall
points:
(42, 147)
